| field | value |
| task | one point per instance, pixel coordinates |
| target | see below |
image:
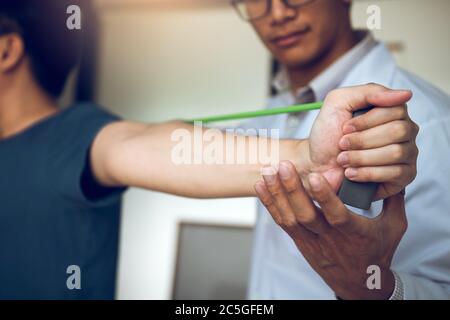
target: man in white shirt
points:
(319, 51)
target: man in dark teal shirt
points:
(47, 221)
(62, 171)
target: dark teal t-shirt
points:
(52, 212)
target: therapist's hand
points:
(338, 244)
(378, 146)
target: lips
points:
(289, 39)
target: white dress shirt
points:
(422, 261)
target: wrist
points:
(304, 164)
(360, 290)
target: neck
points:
(21, 107)
(301, 76)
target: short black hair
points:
(53, 49)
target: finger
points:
(335, 212)
(375, 117)
(266, 198)
(360, 97)
(288, 217)
(394, 154)
(304, 210)
(393, 132)
(279, 197)
(400, 174)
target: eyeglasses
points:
(250, 10)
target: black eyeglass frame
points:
(235, 4)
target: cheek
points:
(262, 30)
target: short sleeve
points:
(68, 157)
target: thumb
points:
(334, 210)
(360, 97)
(384, 97)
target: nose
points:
(281, 12)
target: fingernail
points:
(344, 143)
(349, 128)
(284, 172)
(269, 174)
(314, 182)
(343, 158)
(351, 173)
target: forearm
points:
(181, 159)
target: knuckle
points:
(267, 201)
(408, 152)
(373, 85)
(290, 186)
(402, 130)
(275, 190)
(289, 223)
(398, 152)
(361, 123)
(413, 129)
(338, 221)
(362, 158)
(355, 158)
(416, 153)
(402, 112)
(410, 173)
(306, 219)
(366, 174)
(356, 141)
(403, 225)
(413, 152)
(277, 220)
(322, 198)
(400, 172)
(416, 129)
(335, 93)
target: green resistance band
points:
(356, 194)
(260, 113)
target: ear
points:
(12, 51)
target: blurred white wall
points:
(422, 28)
(163, 62)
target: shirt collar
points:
(333, 76)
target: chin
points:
(296, 57)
